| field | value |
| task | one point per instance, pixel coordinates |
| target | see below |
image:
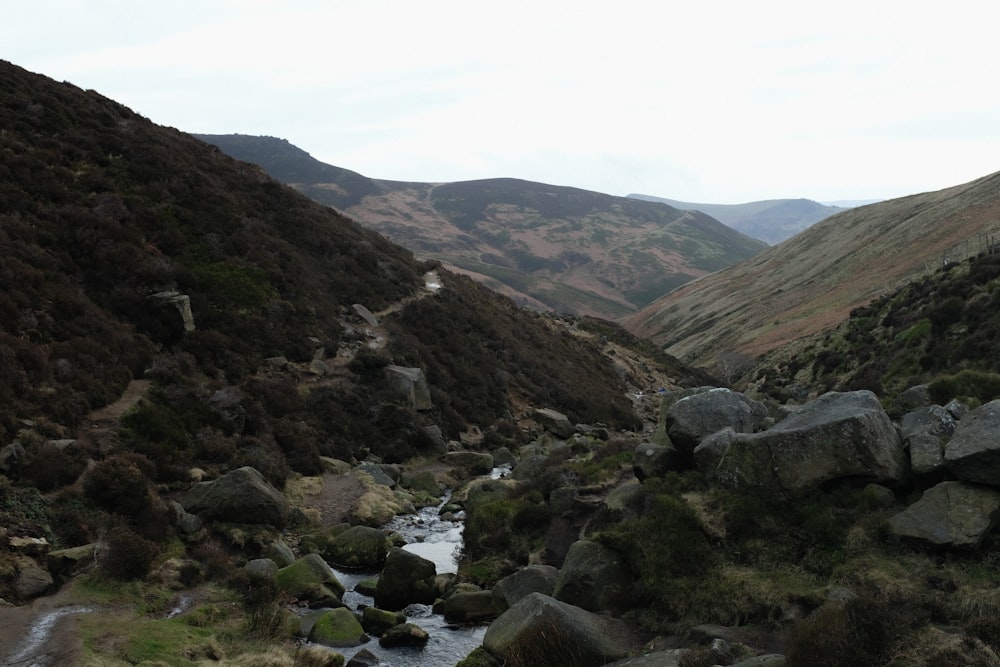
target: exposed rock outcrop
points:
(701, 412)
(240, 496)
(952, 514)
(973, 453)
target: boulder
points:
(72, 561)
(406, 579)
(406, 634)
(376, 621)
(10, 457)
(310, 578)
(30, 580)
(239, 496)
(338, 628)
(469, 607)
(652, 460)
(926, 454)
(262, 570)
(594, 578)
(700, 414)
(378, 474)
(279, 552)
(540, 630)
(187, 523)
(836, 436)
(530, 579)
(930, 420)
(952, 514)
(973, 453)
(363, 658)
(365, 314)
(412, 384)
(476, 463)
(712, 449)
(555, 422)
(359, 547)
(911, 399)
(530, 467)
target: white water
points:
(31, 651)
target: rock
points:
(365, 314)
(182, 302)
(690, 419)
(310, 578)
(766, 660)
(911, 399)
(666, 658)
(555, 422)
(11, 456)
(476, 463)
(338, 628)
(71, 562)
(378, 475)
(926, 454)
(363, 658)
(279, 552)
(406, 634)
(504, 457)
(706, 632)
(531, 579)
(951, 514)
(651, 460)
(956, 408)
(376, 621)
(359, 547)
(471, 607)
(411, 383)
(929, 420)
(240, 496)
(479, 657)
(187, 523)
(406, 579)
(711, 450)
(29, 546)
(541, 630)
(31, 580)
(973, 453)
(594, 578)
(836, 436)
(318, 368)
(262, 569)
(422, 481)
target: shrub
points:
(980, 385)
(126, 555)
(121, 483)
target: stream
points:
(439, 540)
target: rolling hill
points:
(545, 246)
(812, 281)
(771, 220)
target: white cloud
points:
(714, 101)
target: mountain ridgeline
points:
(548, 247)
(771, 220)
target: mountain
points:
(771, 220)
(812, 281)
(548, 247)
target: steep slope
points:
(109, 223)
(812, 281)
(546, 246)
(771, 220)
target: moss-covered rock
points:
(309, 578)
(358, 547)
(338, 628)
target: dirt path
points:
(99, 426)
(42, 634)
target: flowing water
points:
(31, 652)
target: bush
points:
(980, 385)
(125, 555)
(121, 484)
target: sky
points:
(725, 101)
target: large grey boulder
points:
(358, 547)
(412, 384)
(836, 436)
(469, 607)
(926, 454)
(973, 453)
(540, 630)
(30, 579)
(555, 422)
(594, 578)
(952, 514)
(406, 579)
(476, 463)
(240, 496)
(931, 419)
(530, 579)
(700, 414)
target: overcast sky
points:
(715, 102)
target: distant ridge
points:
(771, 220)
(548, 247)
(812, 281)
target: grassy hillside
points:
(814, 280)
(548, 247)
(771, 221)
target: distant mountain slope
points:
(546, 246)
(812, 281)
(771, 221)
